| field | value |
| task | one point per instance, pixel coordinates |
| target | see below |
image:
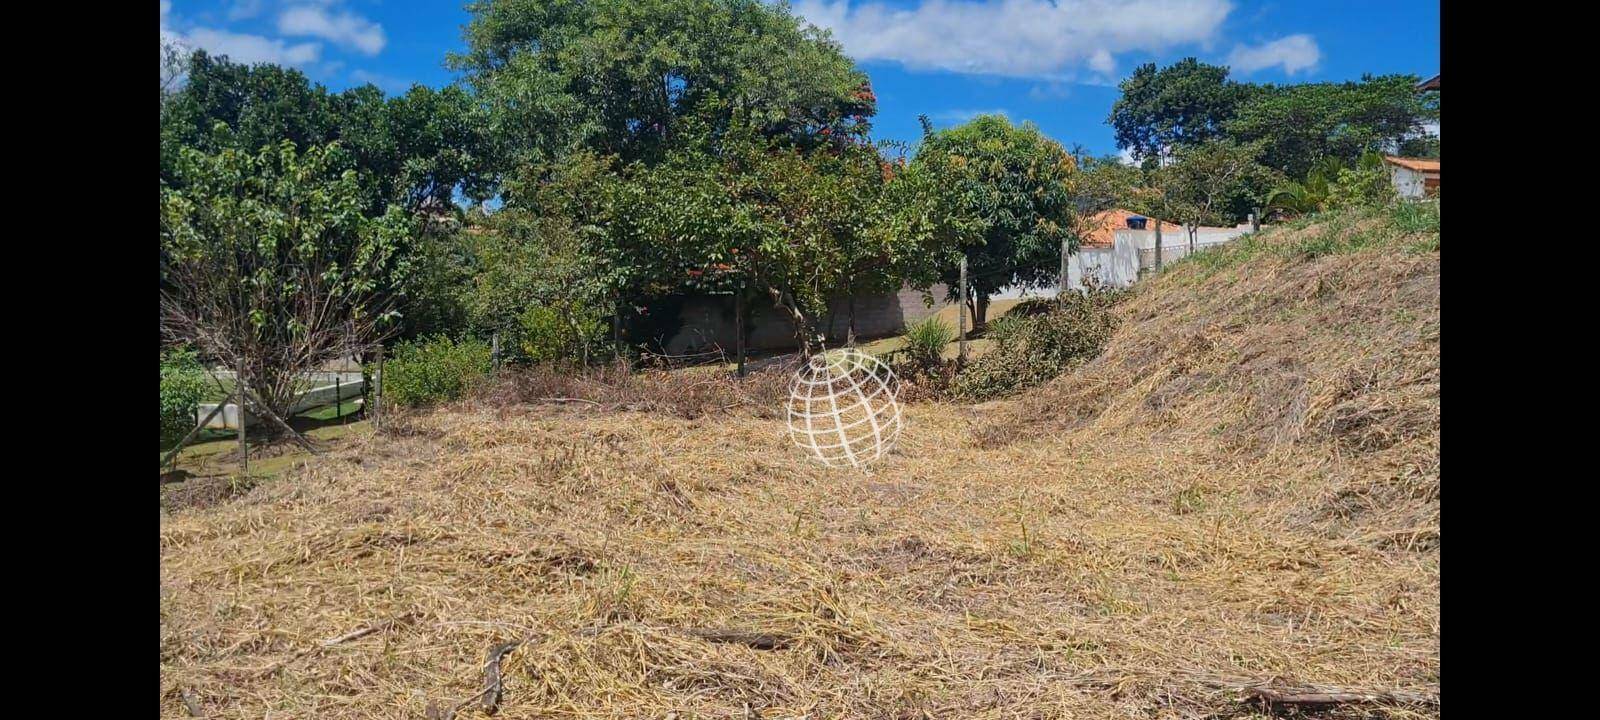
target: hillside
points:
(1238, 501)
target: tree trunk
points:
(850, 329)
(802, 326)
(980, 312)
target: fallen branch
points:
(1272, 691)
(759, 641)
(493, 687)
(1335, 696)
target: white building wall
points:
(1131, 252)
(1407, 182)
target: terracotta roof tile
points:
(1104, 227)
(1418, 164)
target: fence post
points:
(244, 450)
(377, 393)
(961, 323)
(1158, 245)
(738, 326)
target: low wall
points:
(709, 322)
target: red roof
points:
(1417, 164)
(1103, 227)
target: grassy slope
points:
(1245, 487)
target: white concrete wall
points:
(1407, 182)
(1131, 252)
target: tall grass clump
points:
(926, 341)
(434, 370)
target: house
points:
(1413, 178)
(1429, 84)
(1119, 246)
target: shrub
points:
(1364, 186)
(434, 370)
(548, 334)
(926, 341)
(1031, 349)
(183, 383)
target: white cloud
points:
(1052, 39)
(344, 28)
(239, 47)
(961, 116)
(250, 49)
(1050, 91)
(388, 83)
(1294, 53)
(244, 9)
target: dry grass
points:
(1140, 561)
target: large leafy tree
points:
(1214, 183)
(1189, 103)
(1186, 103)
(754, 216)
(415, 150)
(1297, 125)
(269, 263)
(629, 77)
(1010, 189)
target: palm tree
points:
(1309, 195)
(1314, 193)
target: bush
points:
(926, 341)
(434, 370)
(1361, 187)
(183, 383)
(1035, 347)
(548, 335)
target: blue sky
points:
(1053, 62)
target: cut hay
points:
(1134, 559)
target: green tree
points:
(413, 150)
(757, 216)
(1011, 188)
(1183, 104)
(628, 77)
(1297, 125)
(268, 261)
(1213, 183)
